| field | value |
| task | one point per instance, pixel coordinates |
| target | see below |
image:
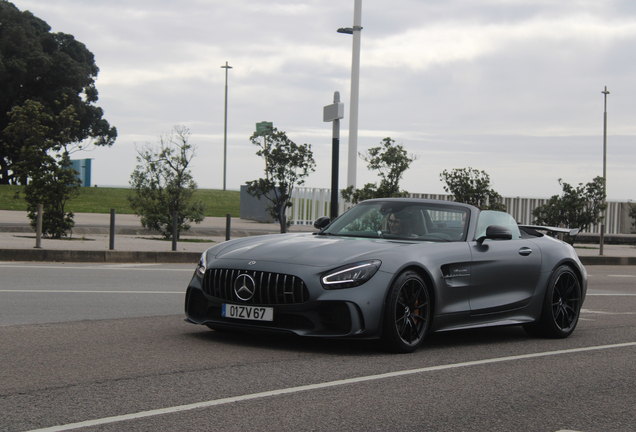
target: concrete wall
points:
(254, 208)
(625, 222)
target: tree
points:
(577, 207)
(471, 186)
(45, 167)
(52, 69)
(287, 164)
(163, 184)
(391, 161)
(53, 184)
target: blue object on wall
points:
(83, 168)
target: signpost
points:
(263, 129)
(334, 113)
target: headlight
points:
(351, 275)
(203, 264)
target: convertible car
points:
(394, 269)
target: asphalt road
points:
(107, 345)
(37, 293)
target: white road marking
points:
(253, 396)
(611, 295)
(91, 292)
(137, 267)
(622, 276)
(606, 313)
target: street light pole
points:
(602, 239)
(226, 67)
(355, 91)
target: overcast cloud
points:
(511, 87)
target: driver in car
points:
(399, 226)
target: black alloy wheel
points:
(561, 306)
(566, 302)
(407, 314)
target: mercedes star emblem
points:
(244, 287)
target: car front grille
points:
(269, 288)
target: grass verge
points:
(218, 203)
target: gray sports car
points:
(394, 269)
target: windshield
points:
(403, 221)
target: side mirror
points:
(496, 232)
(322, 222)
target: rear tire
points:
(561, 306)
(407, 313)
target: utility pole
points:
(355, 92)
(226, 67)
(602, 239)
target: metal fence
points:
(308, 204)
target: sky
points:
(510, 87)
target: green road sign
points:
(264, 128)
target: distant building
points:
(83, 168)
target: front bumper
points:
(343, 313)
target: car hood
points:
(305, 249)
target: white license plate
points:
(255, 313)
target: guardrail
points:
(308, 204)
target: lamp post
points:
(602, 239)
(226, 67)
(355, 91)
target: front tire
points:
(561, 306)
(407, 313)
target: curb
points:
(613, 239)
(84, 256)
(607, 260)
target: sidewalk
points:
(90, 241)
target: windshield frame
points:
(427, 221)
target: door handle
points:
(525, 251)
